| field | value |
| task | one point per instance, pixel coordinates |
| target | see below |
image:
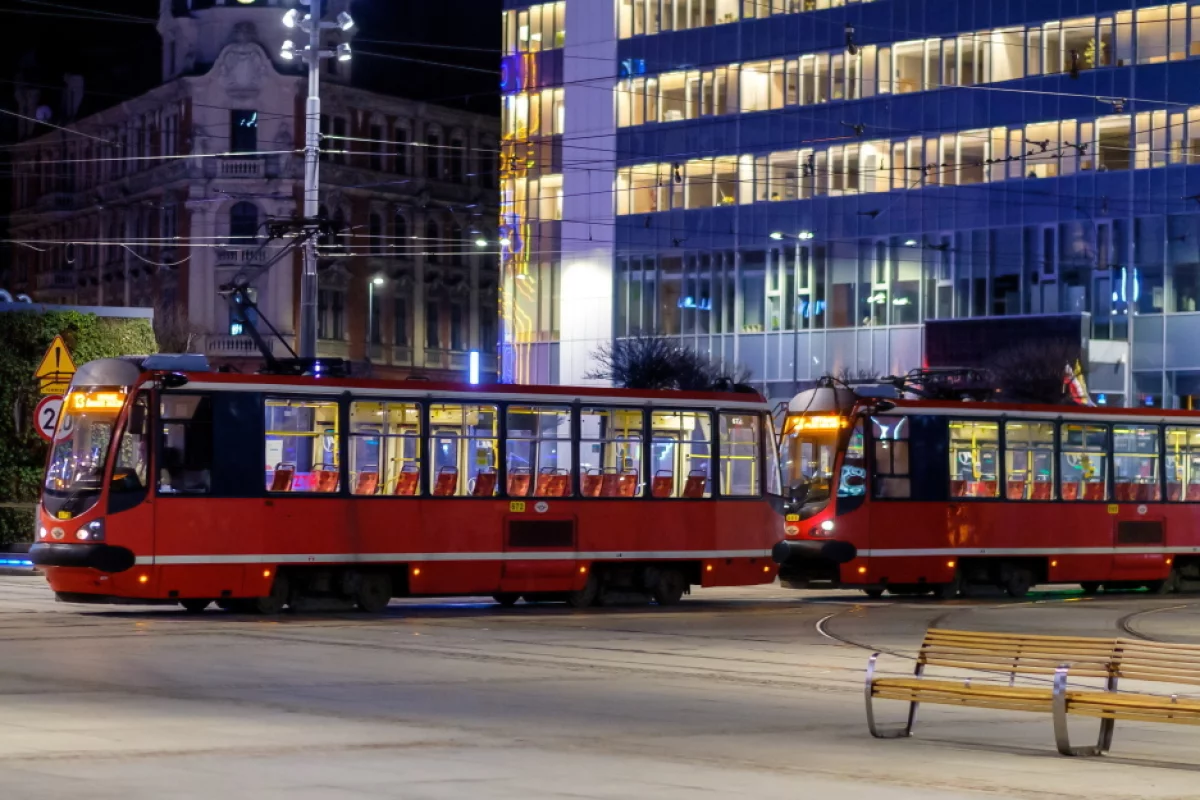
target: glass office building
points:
(800, 186)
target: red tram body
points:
(920, 496)
(156, 490)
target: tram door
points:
(1140, 528)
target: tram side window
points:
(1083, 459)
(464, 440)
(538, 451)
(1183, 464)
(892, 472)
(974, 459)
(610, 452)
(133, 457)
(1029, 460)
(302, 445)
(741, 437)
(185, 444)
(681, 454)
(385, 448)
(1135, 463)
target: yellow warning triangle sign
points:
(57, 363)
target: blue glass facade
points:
(799, 192)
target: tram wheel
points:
(586, 596)
(194, 606)
(1019, 582)
(948, 591)
(374, 592)
(1171, 585)
(1090, 587)
(874, 594)
(506, 599)
(274, 602)
(670, 587)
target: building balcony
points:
(226, 346)
(253, 167)
(240, 255)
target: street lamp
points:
(377, 280)
(313, 55)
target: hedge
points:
(25, 335)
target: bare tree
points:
(173, 331)
(656, 362)
(849, 376)
(1035, 372)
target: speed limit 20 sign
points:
(45, 417)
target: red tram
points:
(260, 491)
(914, 496)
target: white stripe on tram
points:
(1027, 551)
(370, 558)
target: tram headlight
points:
(42, 532)
(824, 529)
(92, 532)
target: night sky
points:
(122, 59)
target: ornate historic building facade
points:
(161, 199)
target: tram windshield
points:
(81, 448)
(808, 452)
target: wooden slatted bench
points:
(1133, 660)
(1000, 656)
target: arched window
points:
(456, 244)
(457, 156)
(433, 241)
(433, 153)
(243, 223)
(375, 242)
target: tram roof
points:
(1039, 411)
(233, 382)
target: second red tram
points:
(928, 496)
(258, 491)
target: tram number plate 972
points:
(516, 508)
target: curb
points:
(21, 572)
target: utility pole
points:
(312, 176)
(313, 55)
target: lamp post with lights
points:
(376, 282)
(312, 24)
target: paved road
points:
(736, 693)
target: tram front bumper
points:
(797, 552)
(102, 557)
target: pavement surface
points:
(735, 693)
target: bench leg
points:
(912, 709)
(1062, 736)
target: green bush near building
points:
(24, 337)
